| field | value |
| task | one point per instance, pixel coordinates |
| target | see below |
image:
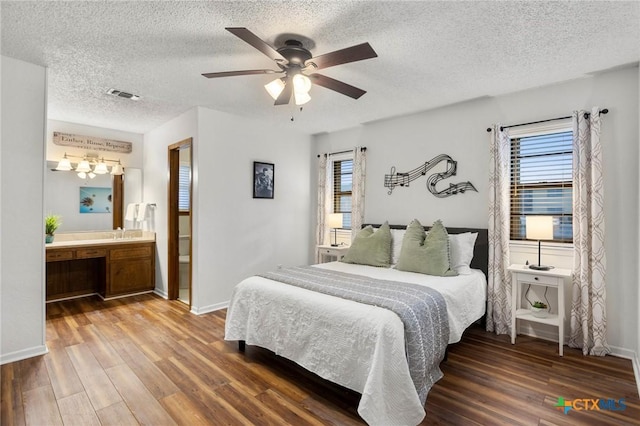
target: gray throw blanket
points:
(422, 310)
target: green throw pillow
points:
(370, 247)
(425, 254)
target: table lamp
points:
(539, 228)
(334, 220)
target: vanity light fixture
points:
(64, 164)
(117, 169)
(101, 168)
(90, 166)
(84, 166)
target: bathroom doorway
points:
(180, 248)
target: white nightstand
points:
(554, 278)
(325, 252)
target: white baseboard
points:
(23, 354)
(161, 293)
(210, 308)
(636, 371)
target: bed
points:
(356, 345)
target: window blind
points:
(342, 187)
(541, 182)
(184, 188)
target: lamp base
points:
(540, 267)
(334, 245)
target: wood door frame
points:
(117, 185)
(173, 282)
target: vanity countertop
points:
(101, 238)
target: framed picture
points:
(95, 199)
(263, 179)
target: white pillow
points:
(397, 235)
(461, 251)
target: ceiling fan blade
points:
(285, 95)
(343, 56)
(257, 42)
(245, 72)
(336, 85)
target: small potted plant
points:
(51, 223)
(539, 309)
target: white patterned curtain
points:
(499, 279)
(588, 308)
(322, 232)
(357, 195)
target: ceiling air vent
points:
(121, 94)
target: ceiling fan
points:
(295, 62)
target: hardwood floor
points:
(144, 360)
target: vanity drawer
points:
(54, 255)
(127, 253)
(89, 253)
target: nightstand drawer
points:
(330, 252)
(533, 278)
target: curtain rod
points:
(362, 148)
(586, 115)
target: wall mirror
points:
(63, 197)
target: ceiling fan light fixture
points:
(301, 97)
(275, 88)
(301, 83)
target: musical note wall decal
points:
(403, 179)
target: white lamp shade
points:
(301, 98)
(101, 168)
(275, 88)
(117, 169)
(334, 220)
(301, 83)
(84, 166)
(64, 164)
(539, 227)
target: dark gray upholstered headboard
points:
(480, 251)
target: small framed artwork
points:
(263, 179)
(95, 199)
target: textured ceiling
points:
(430, 54)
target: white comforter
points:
(355, 345)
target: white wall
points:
(636, 363)
(156, 178)
(22, 293)
(460, 131)
(234, 235)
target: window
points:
(541, 182)
(342, 186)
(184, 183)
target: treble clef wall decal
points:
(403, 179)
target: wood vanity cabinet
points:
(110, 270)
